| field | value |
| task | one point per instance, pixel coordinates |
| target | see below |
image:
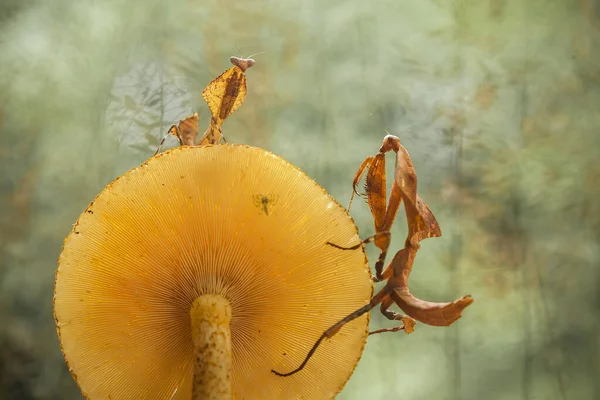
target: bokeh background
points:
(496, 100)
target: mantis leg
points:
(212, 134)
(383, 330)
(173, 130)
(326, 335)
(382, 240)
(333, 329)
(389, 314)
(364, 241)
(407, 322)
(358, 176)
(207, 136)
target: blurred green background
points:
(496, 100)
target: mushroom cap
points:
(225, 219)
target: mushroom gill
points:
(226, 220)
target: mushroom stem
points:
(211, 314)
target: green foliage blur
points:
(496, 100)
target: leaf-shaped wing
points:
(235, 94)
(225, 93)
(188, 130)
(213, 93)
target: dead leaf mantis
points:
(223, 95)
(421, 225)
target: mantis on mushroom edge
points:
(421, 225)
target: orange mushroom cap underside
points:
(225, 219)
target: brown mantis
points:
(421, 225)
(223, 95)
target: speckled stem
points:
(210, 316)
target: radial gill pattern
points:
(232, 220)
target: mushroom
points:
(205, 268)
